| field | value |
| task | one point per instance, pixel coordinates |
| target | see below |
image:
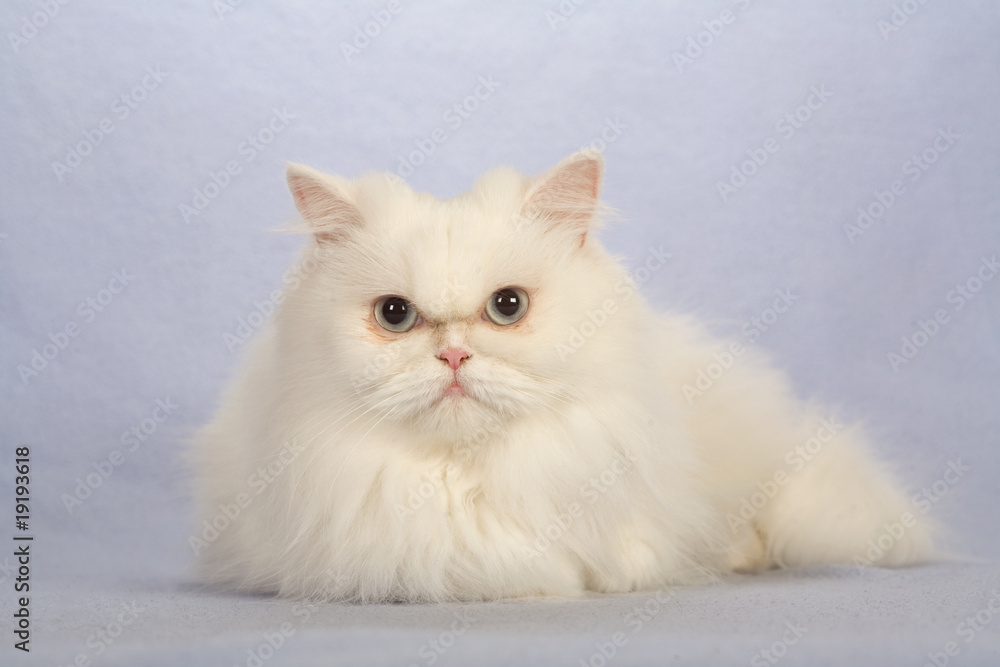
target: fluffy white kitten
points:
(420, 422)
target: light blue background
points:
(558, 85)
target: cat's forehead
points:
(456, 252)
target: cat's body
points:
(472, 457)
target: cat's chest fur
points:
(555, 501)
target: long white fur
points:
(337, 468)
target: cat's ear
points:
(568, 195)
(323, 202)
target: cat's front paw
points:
(749, 553)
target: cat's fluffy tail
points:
(843, 506)
(796, 486)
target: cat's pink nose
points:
(454, 357)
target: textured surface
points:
(211, 85)
(827, 616)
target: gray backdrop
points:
(845, 153)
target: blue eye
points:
(507, 306)
(395, 314)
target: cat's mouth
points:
(454, 390)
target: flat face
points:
(450, 312)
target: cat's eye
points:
(395, 314)
(507, 306)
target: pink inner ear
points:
(311, 199)
(591, 173)
(327, 211)
(570, 195)
(576, 182)
(300, 192)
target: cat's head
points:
(453, 315)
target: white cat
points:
(469, 399)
